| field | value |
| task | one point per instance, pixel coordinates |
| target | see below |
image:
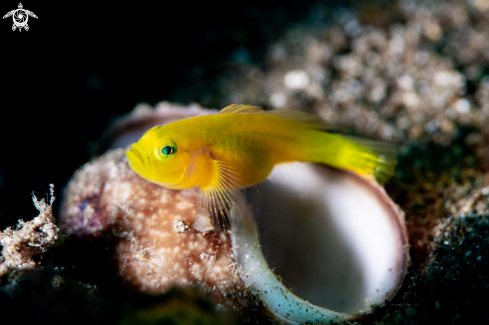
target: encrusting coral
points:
(29, 238)
(160, 238)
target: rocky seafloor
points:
(410, 72)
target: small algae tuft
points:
(29, 238)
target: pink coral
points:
(158, 244)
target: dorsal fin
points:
(308, 120)
(241, 109)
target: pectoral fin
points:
(223, 198)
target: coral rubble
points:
(29, 238)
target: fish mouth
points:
(137, 161)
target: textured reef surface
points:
(411, 72)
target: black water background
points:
(82, 64)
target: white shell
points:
(334, 237)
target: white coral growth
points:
(30, 238)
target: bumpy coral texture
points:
(159, 232)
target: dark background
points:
(82, 64)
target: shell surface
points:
(334, 238)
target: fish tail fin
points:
(369, 158)
(376, 158)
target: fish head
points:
(160, 157)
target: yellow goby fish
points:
(238, 147)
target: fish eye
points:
(167, 150)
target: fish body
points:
(239, 146)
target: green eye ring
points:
(167, 150)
